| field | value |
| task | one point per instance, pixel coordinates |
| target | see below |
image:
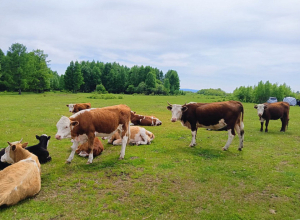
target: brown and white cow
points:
(273, 111)
(74, 108)
(97, 148)
(215, 116)
(23, 178)
(138, 135)
(144, 120)
(102, 122)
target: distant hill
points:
(190, 90)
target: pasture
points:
(164, 180)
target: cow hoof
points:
(68, 162)
(121, 158)
(224, 149)
(88, 163)
(240, 149)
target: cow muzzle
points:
(173, 119)
(58, 137)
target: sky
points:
(210, 43)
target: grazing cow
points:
(40, 149)
(273, 111)
(87, 124)
(23, 178)
(144, 120)
(97, 148)
(2, 152)
(138, 135)
(74, 108)
(215, 116)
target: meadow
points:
(164, 180)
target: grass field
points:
(164, 180)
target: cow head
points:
(158, 122)
(177, 111)
(71, 107)
(63, 128)
(10, 152)
(260, 109)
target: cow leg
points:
(74, 148)
(194, 134)
(144, 137)
(262, 124)
(267, 123)
(91, 139)
(284, 122)
(117, 142)
(230, 138)
(240, 130)
(124, 143)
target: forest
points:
(29, 71)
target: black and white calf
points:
(40, 149)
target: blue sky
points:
(210, 43)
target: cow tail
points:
(128, 130)
(242, 111)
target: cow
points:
(40, 149)
(74, 108)
(273, 111)
(138, 135)
(97, 148)
(226, 115)
(23, 178)
(102, 122)
(2, 152)
(144, 120)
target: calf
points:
(138, 135)
(40, 149)
(23, 178)
(144, 120)
(86, 124)
(74, 108)
(97, 148)
(216, 116)
(273, 111)
(2, 152)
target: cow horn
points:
(169, 103)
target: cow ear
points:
(265, 106)
(37, 137)
(24, 145)
(49, 137)
(255, 106)
(67, 105)
(169, 108)
(74, 123)
(184, 108)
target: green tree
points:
(167, 86)
(174, 81)
(151, 81)
(73, 77)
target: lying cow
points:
(40, 149)
(273, 111)
(2, 152)
(23, 178)
(97, 148)
(86, 124)
(216, 116)
(138, 135)
(144, 120)
(74, 108)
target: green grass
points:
(164, 180)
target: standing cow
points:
(215, 116)
(74, 108)
(102, 122)
(273, 111)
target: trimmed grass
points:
(164, 180)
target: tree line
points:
(29, 71)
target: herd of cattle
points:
(118, 124)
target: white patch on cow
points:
(63, 128)
(16, 188)
(71, 107)
(192, 102)
(218, 126)
(230, 138)
(157, 122)
(80, 112)
(141, 120)
(6, 157)
(176, 112)
(260, 109)
(30, 160)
